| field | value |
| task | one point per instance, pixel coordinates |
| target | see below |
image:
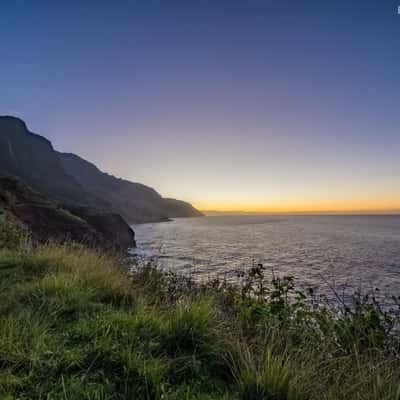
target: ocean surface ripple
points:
(357, 251)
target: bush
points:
(12, 234)
(266, 376)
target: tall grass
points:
(77, 323)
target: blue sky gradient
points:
(252, 104)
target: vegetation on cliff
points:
(80, 324)
(23, 209)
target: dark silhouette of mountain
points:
(32, 158)
(76, 183)
(134, 201)
(178, 208)
(46, 220)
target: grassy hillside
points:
(75, 324)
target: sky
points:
(253, 105)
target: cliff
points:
(32, 158)
(46, 220)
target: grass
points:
(76, 324)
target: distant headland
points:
(33, 173)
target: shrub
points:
(12, 234)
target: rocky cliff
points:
(32, 158)
(46, 220)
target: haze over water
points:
(353, 251)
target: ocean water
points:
(345, 252)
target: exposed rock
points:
(48, 221)
(110, 225)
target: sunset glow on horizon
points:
(356, 206)
(309, 209)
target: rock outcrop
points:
(46, 220)
(111, 226)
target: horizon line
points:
(319, 212)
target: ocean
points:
(344, 252)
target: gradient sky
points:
(237, 105)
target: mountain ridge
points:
(75, 182)
(136, 202)
(32, 158)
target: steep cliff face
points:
(32, 158)
(112, 227)
(47, 221)
(134, 201)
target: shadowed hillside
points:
(32, 158)
(44, 220)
